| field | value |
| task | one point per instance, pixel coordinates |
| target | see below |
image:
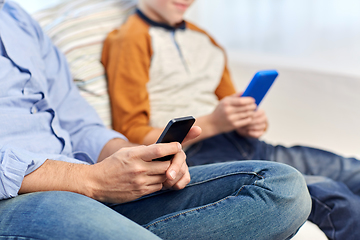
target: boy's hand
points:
(257, 127)
(233, 112)
(194, 132)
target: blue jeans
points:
(235, 200)
(333, 181)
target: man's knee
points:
(288, 190)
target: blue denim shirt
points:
(42, 115)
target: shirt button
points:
(34, 110)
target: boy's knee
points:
(334, 207)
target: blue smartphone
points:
(175, 131)
(260, 84)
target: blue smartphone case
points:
(260, 84)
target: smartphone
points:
(175, 131)
(260, 84)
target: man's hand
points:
(126, 175)
(130, 172)
(178, 175)
(257, 127)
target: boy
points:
(160, 67)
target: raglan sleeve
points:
(226, 86)
(126, 58)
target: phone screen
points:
(175, 131)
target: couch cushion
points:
(78, 28)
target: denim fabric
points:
(235, 200)
(333, 180)
(64, 215)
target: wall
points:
(322, 34)
(316, 34)
(315, 46)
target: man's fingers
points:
(176, 164)
(181, 180)
(151, 189)
(148, 153)
(155, 179)
(177, 185)
(157, 167)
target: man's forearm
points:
(57, 176)
(64, 176)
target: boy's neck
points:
(146, 18)
(151, 14)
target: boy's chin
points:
(176, 21)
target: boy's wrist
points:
(208, 126)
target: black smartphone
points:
(175, 131)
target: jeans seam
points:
(192, 184)
(196, 209)
(327, 207)
(208, 205)
(224, 175)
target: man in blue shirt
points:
(64, 175)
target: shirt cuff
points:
(17, 163)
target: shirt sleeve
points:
(17, 163)
(126, 57)
(76, 116)
(73, 113)
(226, 86)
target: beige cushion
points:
(78, 28)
